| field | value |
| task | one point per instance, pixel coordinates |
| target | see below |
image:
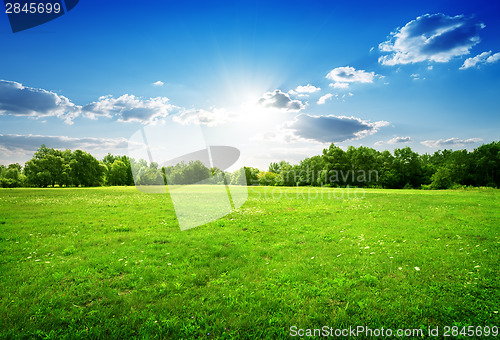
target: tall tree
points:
(46, 167)
(86, 170)
(118, 173)
(487, 164)
(335, 161)
(407, 163)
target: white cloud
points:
(483, 58)
(324, 98)
(396, 140)
(129, 108)
(331, 129)
(343, 76)
(297, 94)
(339, 85)
(450, 142)
(417, 76)
(19, 100)
(158, 83)
(431, 37)
(280, 100)
(203, 117)
(307, 89)
(494, 58)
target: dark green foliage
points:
(118, 170)
(367, 167)
(191, 173)
(86, 170)
(486, 165)
(178, 174)
(50, 167)
(355, 167)
(146, 175)
(117, 173)
(251, 175)
(442, 179)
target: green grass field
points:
(113, 263)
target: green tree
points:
(274, 168)
(388, 176)
(408, 166)
(267, 178)
(118, 173)
(239, 177)
(251, 175)
(86, 170)
(335, 163)
(364, 165)
(46, 167)
(310, 171)
(486, 169)
(442, 179)
(285, 171)
(196, 172)
(11, 176)
(12, 173)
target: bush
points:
(9, 183)
(442, 179)
(408, 186)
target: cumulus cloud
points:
(450, 142)
(129, 108)
(297, 94)
(307, 89)
(483, 58)
(494, 58)
(339, 85)
(332, 129)
(203, 117)
(431, 37)
(19, 100)
(343, 76)
(158, 83)
(324, 98)
(280, 100)
(30, 143)
(396, 140)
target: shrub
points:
(442, 179)
(9, 183)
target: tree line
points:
(335, 167)
(50, 167)
(404, 168)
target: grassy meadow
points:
(112, 263)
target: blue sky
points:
(277, 79)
